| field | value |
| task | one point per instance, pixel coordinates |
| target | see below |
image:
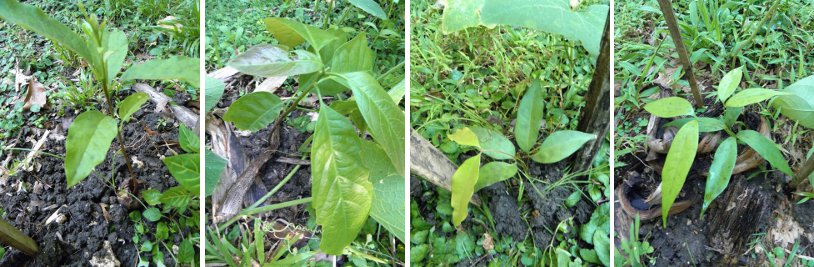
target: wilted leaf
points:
(677, 165)
(493, 143)
(254, 111)
(766, 148)
(494, 172)
(115, 48)
(463, 186)
(36, 97)
(272, 61)
(180, 68)
(34, 19)
(799, 105)
(131, 104)
(89, 138)
(529, 117)
(560, 145)
(670, 107)
(720, 171)
(388, 200)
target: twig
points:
(683, 55)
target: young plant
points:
(471, 176)
(683, 149)
(353, 178)
(91, 133)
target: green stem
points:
(253, 211)
(118, 133)
(16, 239)
(293, 105)
(276, 187)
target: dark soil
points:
(95, 215)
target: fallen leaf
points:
(488, 242)
(36, 97)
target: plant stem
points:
(118, 132)
(249, 212)
(803, 173)
(277, 187)
(293, 105)
(16, 239)
(683, 55)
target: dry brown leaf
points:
(36, 97)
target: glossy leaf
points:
(214, 91)
(214, 168)
(291, 33)
(353, 56)
(180, 68)
(560, 145)
(370, 7)
(254, 111)
(705, 125)
(185, 168)
(342, 194)
(529, 117)
(729, 83)
(751, 96)
(493, 172)
(188, 140)
(669, 107)
(553, 16)
(463, 186)
(677, 166)
(493, 143)
(272, 61)
(131, 104)
(89, 138)
(766, 148)
(385, 120)
(720, 171)
(34, 19)
(465, 136)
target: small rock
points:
(37, 189)
(106, 259)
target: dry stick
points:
(16, 239)
(803, 173)
(595, 117)
(683, 55)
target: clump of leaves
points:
(632, 250)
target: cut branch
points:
(683, 54)
(595, 117)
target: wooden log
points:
(429, 163)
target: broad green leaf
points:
(799, 105)
(705, 125)
(254, 111)
(370, 7)
(34, 19)
(494, 172)
(272, 61)
(463, 186)
(131, 104)
(388, 200)
(291, 33)
(731, 115)
(115, 50)
(729, 83)
(602, 246)
(397, 92)
(214, 91)
(214, 167)
(352, 56)
(529, 117)
(152, 214)
(720, 171)
(561, 144)
(751, 96)
(342, 194)
(670, 107)
(185, 168)
(465, 136)
(177, 197)
(493, 143)
(553, 16)
(385, 120)
(766, 148)
(677, 166)
(89, 138)
(180, 68)
(189, 140)
(151, 196)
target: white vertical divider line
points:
(202, 130)
(612, 125)
(407, 29)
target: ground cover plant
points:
(499, 98)
(702, 165)
(62, 202)
(335, 113)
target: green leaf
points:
(388, 204)
(272, 61)
(162, 232)
(529, 117)
(602, 246)
(553, 16)
(731, 115)
(353, 56)
(152, 214)
(180, 68)
(214, 167)
(669, 107)
(799, 104)
(397, 92)
(254, 111)
(493, 143)
(186, 252)
(177, 197)
(214, 91)
(494, 172)
(185, 168)
(370, 7)
(342, 194)
(677, 165)
(560, 145)
(115, 50)
(705, 125)
(463, 186)
(131, 104)
(34, 19)
(189, 140)
(729, 83)
(385, 120)
(465, 136)
(89, 138)
(573, 199)
(292, 33)
(751, 96)
(720, 171)
(151, 196)
(766, 148)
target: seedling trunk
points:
(594, 117)
(16, 239)
(683, 55)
